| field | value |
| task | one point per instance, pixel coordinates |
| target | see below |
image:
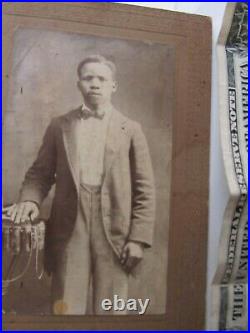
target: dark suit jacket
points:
(127, 195)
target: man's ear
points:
(115, 86)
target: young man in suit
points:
(102, 215)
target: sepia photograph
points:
(87, 150)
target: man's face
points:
(96, 84)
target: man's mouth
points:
(94, 94)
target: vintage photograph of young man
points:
(98, 176)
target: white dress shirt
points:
(93, 132)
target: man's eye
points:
(102, 79)
(87, 78)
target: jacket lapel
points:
(71, 128)
(113, 139)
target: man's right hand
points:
(22, 211)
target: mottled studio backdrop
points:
(43, 84)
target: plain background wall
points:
(218, 186)
(43, 84)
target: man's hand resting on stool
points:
(22, 211)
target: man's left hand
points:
(131, 255)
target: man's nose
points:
(95, 83)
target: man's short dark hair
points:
(96, 59)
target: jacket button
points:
(106, 213)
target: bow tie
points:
(86, 113)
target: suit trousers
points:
(87, 256)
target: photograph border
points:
(190, 35)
